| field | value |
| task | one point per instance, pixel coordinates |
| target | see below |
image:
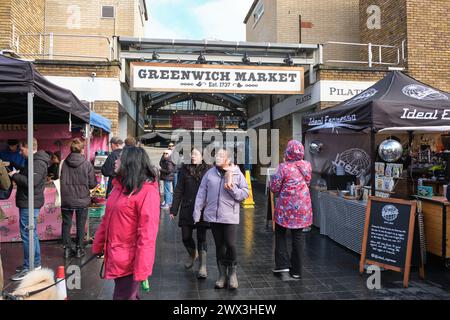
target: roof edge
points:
(255, 2)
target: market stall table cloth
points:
(49, 221)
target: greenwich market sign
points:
(162, 77)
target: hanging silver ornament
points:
(390, 150)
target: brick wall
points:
(322, 21)
(392, 27)
(429, 42)
(356, 74)
(109, 110)
(78, 69)
(28, 18)
(266, 28)
(5, 24)
(425, 26)
(83, 17)
(21, 17)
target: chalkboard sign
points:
(389, 234)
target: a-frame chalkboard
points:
(389, 235)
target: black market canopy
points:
(26, 97)
(395, 102)
(52, 104)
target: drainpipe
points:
(138, 101)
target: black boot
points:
(68, 252)
(80, 252)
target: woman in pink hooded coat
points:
(293, 208)
(127, 234)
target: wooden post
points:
(409, 248)
(366, 233)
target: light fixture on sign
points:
(155, 56)
(201, 59)
(288, 60)
(246, 59)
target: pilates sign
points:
(163, 77)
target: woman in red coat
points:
(127, 234)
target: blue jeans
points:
(175, 180)
(24, 233)
(168, 192)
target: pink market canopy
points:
(397, 100)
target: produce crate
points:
(97, 212)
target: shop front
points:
(390, 141)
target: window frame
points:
(258, 7)
(107, 5)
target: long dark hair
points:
(135, 169)
(197, 171)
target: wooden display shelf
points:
(436, 213)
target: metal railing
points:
(370, 53)
(47, 42)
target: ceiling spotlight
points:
(288, 60)
(201, 59)
(155, 56)
(246, 59)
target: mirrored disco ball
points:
(390, 150)
(315, 147)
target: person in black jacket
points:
(41, 162)
(77, 178)
(55, 161)
(184, 200)
(108, 166)
(167, 169)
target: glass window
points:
(258, 12)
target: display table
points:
(316, 207)
(49, 220)
(437, 226)
(342, 220)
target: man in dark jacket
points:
(77, 178)
(41, 162)
(166, 175)
(108, 166)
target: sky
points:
(197, 19)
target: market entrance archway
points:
(184, 79)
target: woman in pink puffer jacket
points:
(293, 208)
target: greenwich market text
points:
(244, 76)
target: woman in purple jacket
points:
(221, 191)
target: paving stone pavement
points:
(330, 271)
